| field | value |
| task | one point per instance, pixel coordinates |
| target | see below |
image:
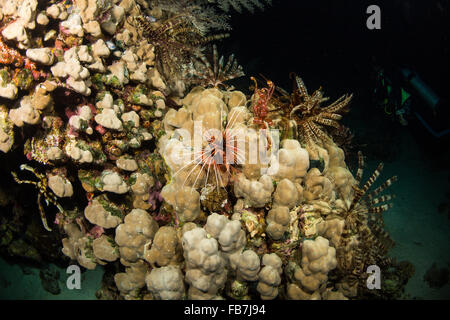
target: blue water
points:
(14, 284)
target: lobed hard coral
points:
(205, 267)
(185, 186)
(135, 234)
(318, 258)
(166, 248)
(166, 283)
(269, 278)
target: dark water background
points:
(328, 44)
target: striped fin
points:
(135, 21)
(230, 68)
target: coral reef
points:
(436, 277)
(179, 185)
(49, 280)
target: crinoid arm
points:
(215, 72)
(42, 213)
(238, 5)
(43, 192)
(360, 171)
(338, 106)
(364, 221)
(312, 119)
(361, 192)
(370, 199)
(176, 39)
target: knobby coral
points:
(181, 182)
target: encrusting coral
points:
(157, 166)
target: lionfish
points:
(217, 159)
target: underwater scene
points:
(224, 150)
